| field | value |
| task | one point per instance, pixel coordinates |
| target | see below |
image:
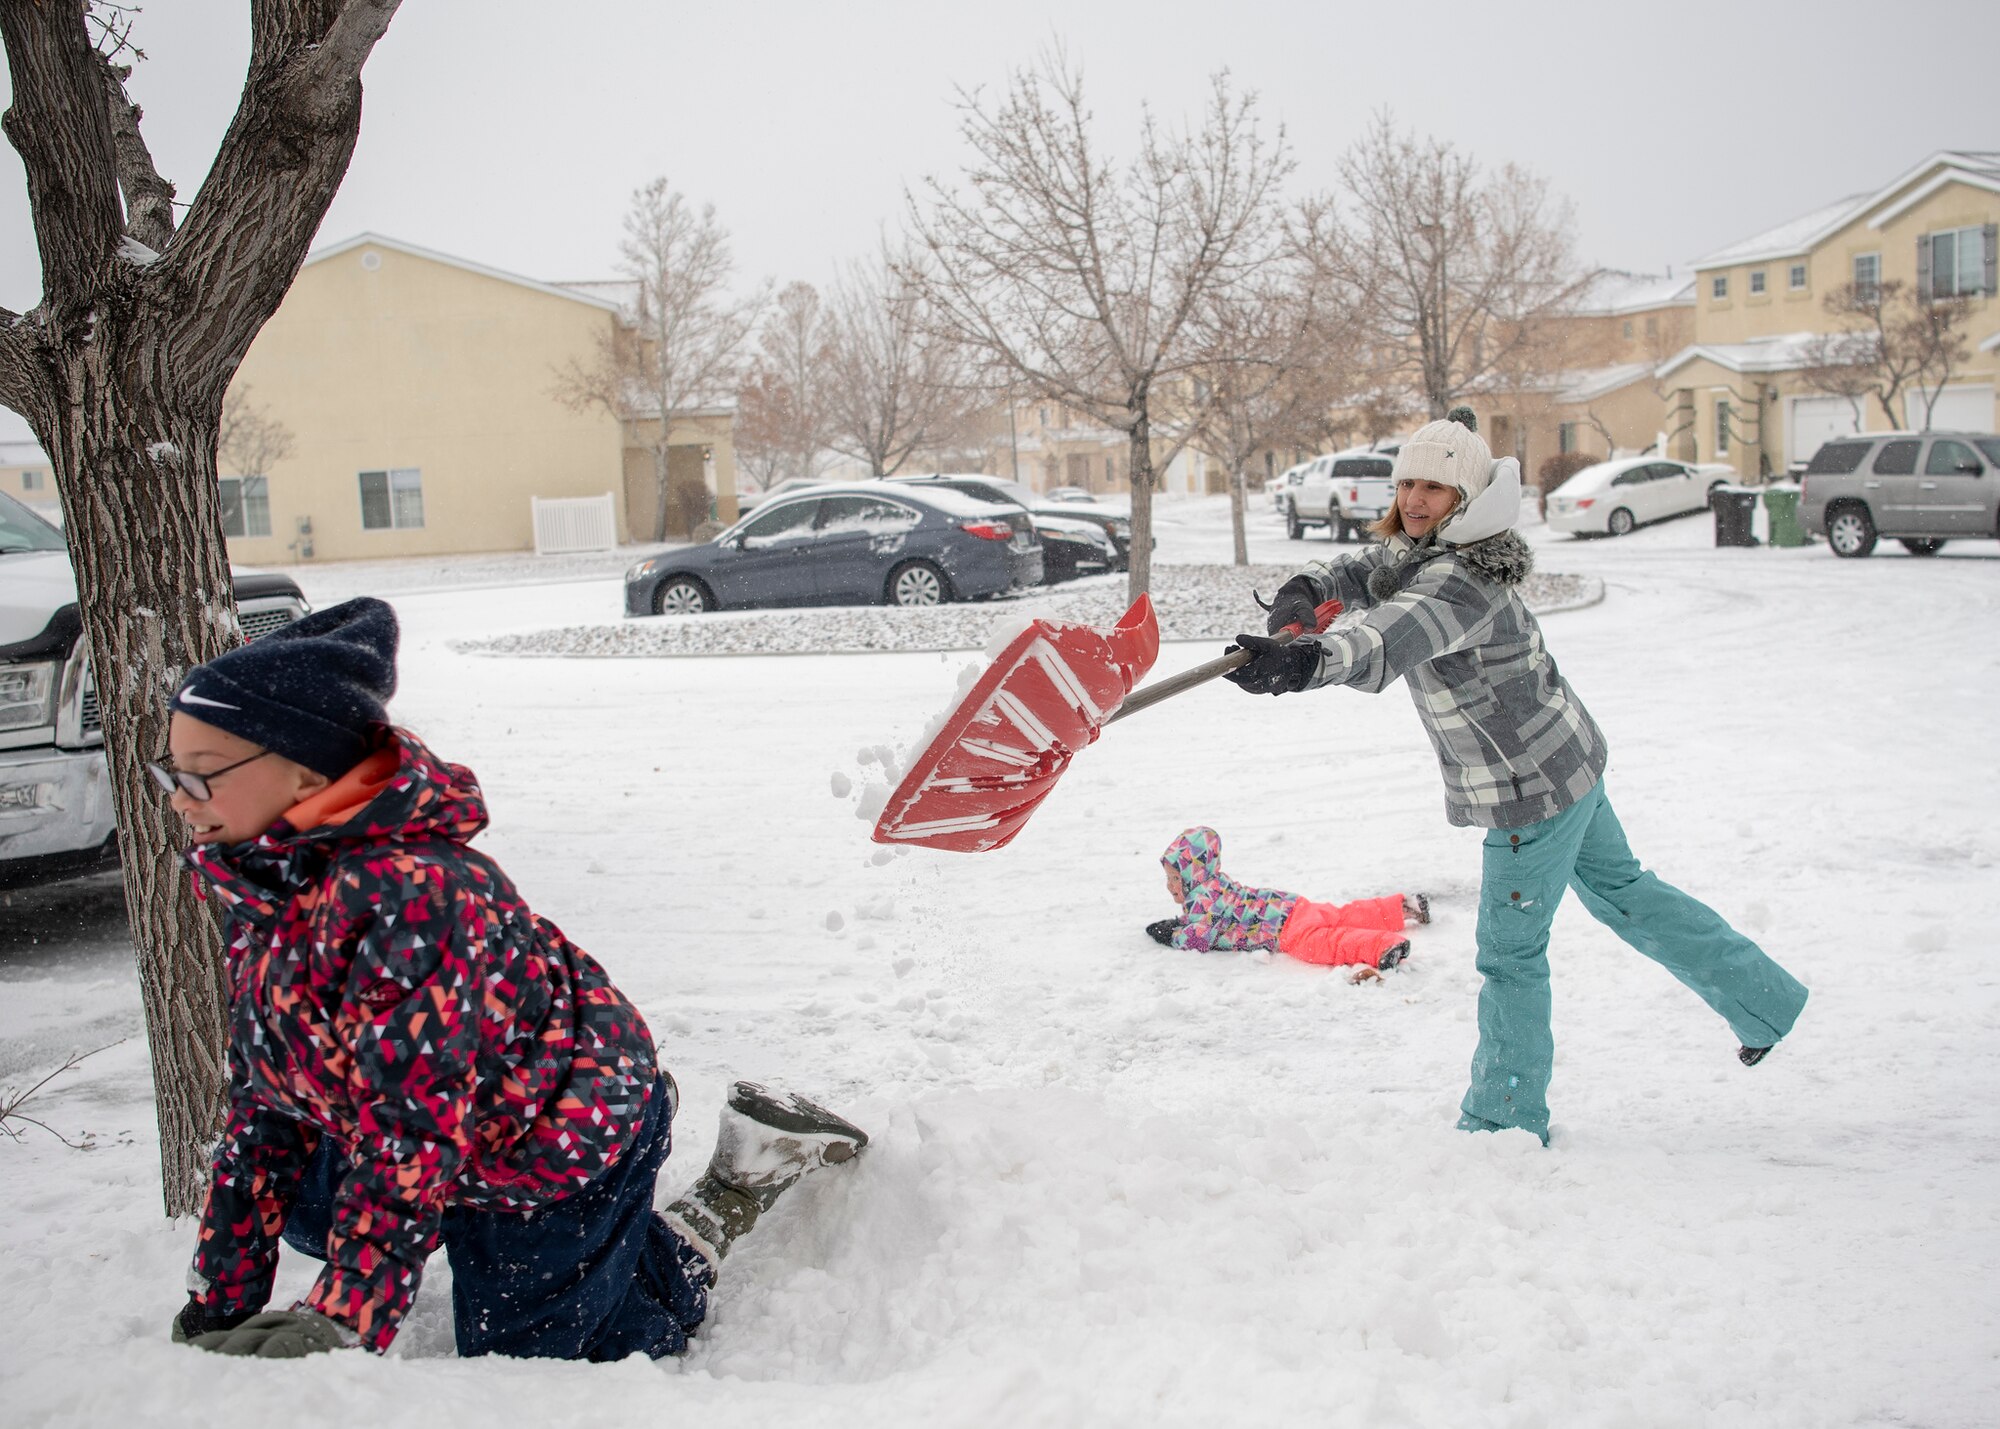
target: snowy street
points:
(1116, 1184)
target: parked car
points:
(1282, 485)
(1074, 542)
(1342, 491)
(749, 498)
(848, 544)
(1069, 493)
(1615, 498)
(1921, 488)
(55, 792)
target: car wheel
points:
(917, 583)
(683, 595)
(1850, 532)
(1294, 528)
(1620, 522)
(1923, 547)
(1343, 530)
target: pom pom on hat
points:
(314, 691)
(1464, 416)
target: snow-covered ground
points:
(1115, 1184)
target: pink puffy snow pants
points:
(1339, 934)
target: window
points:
(1991, 446)
(792, 519)
(1652, 327)
(1867, 274)
(1718, 287)
(246, 506)
(392, 500)
(1897, 458)
(1757, 281)
(1946, 458)
(1797, 278)
(1722, 428)
(34, 480)
(1566, 437)
(872, 514)
(1837, 459)
(1042, 416)
(1627, 332)
(1956, 262)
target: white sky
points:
(512, 133)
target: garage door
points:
(1815, 420)
(1958, 409)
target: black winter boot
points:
(1751, 1056)
(1163, 931)
(1392, 956)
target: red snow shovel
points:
(1046, 695)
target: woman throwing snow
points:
(1520, 755)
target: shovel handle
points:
(1209, 669)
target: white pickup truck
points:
(1343, 491)
(55, 792)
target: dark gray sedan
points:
(845, 545)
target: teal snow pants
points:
(1525, 873)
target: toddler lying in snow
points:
(1220, 914)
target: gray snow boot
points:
(767, 1140)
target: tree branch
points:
(149, 199)
(62, 131)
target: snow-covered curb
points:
(1195, 602)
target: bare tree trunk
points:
(161, 605)
(661, 493)
(1139, 573)
(1236, 504)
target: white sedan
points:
(1614, 497)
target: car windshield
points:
(22, 530)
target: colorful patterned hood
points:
(1218, 912)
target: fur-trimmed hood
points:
(1505, 560)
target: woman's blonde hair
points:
(1391, 521)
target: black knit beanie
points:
(314, 691)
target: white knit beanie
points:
(1450, 453)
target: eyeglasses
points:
(195, 786)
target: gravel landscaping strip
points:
(1195, 602)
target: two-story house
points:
(1738, 392)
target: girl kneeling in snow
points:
(1520, 755)
(415, 1057)
(1220, 914)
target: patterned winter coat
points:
(1218, 913)
(1514, 743)
(389, 988)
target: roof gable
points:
(377, 240)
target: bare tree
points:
(1079, 277)
(680, 346)
(766, 427)
(249, 438)
(894, 385)
(1460, 276)
(1268, 352)
(782, 405)
(121, 370)
(1893, 340)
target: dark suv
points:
(1921, 488)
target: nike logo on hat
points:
(189, 697)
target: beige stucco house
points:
(1735, 392)
(418, 389)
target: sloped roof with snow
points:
(1589, 383)
(1782, 353)
(1613, 292)
(573, 292)
(1978, 167)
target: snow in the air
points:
(1115, 1184)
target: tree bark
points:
(1239, 540)
(1139, 574)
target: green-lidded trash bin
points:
(1781, 508)
(1735, 510)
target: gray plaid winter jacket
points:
(1514, 743)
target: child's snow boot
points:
(1163, 931)
(1751, 1056)
(1417, 907)
(1392, 956)
(767, 1140)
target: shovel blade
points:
(1002, 748)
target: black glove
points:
(1296, 603)
(1276, 667)
(196, 1320)
(277, 1335)
(1163, 931)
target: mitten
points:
(1163, 931)
(1296, 603)
(196, 1320)
(1276, 667)
(278, 1335)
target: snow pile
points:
(1194, 602)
